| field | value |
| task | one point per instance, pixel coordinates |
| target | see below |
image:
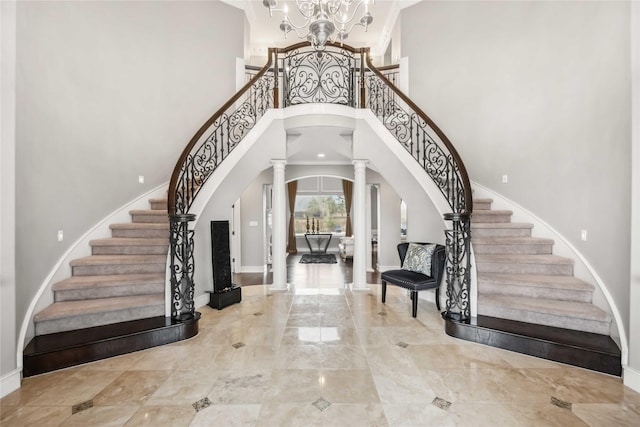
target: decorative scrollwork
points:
(458, 270)
(182, 267)
(226, 132)
(413, 132)
(326, 76)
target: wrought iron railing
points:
(339, 75)
(207, 149)
(431, 148)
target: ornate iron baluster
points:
(182, 286)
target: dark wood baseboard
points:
(46, 353)
(584, 349)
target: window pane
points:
(324, 214)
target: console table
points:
(318, 242)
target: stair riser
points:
(108, 292)
(130, 250)
(481, 206)
(485, 288)
(149, 218)
(500, 232)
(158, 206)
(133, 232)
(515, 268)
(545, 319)
(544, 249)
(105, 270)
(490, 217)
(97, 319)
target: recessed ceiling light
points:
(320, 155)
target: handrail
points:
(303, 75)
(464, 176)
(173, 183)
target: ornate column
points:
(360, 225)
(279, 230)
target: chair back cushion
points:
(418, 258)
(437, 260)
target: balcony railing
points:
(339, 75)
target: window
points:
(324, 214)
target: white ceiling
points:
(265, 31)
(306, 144)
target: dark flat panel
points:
(220, 256)
(47, 353)
(584, 349)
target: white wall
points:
(538, 91)
(9, 375)
(253, 257)
(107, 91)
(632, 374)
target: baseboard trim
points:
(10, 383)
(383, 268)
(252, 269)
(631, 378)
(201, 301)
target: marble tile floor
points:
(322, 357)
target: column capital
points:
(278, 163)
(360, 163)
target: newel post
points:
(182, 266)
(458, 267)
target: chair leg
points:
(414, 301)
(438, 298)
(384, 291)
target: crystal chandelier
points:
(323, 19)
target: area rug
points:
(318, 259)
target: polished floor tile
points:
(322, 356)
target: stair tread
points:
(79, 282)
(535, 280)
(524, 259)
(511, 241)
(119, 260)
(65, 309)
(493, 212)
(131, 241)
(482, 200)
(158, 212)
(570, 309)
(144, 225)
(500, 225)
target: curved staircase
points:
(520, 279)
(528, 299)
(123, 279)
(114, 301)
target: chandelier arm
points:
(307, 8)
(295, 30)
(297, 27)
(356, 24)
(353, 15)
(326, 18)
